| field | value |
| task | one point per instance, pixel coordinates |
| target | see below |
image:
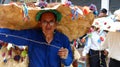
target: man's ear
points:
(56, 24)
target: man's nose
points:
(48, 26)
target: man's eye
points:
(44, 22)
(51, 23)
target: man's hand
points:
(63, 53)
(105, 52)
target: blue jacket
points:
(40, 54)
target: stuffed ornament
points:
(68, 3)
(25, 13)
(42, 4)
(12, 56)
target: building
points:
(113, 4)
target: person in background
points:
(103, 13)
(93, 49)
(46, 46)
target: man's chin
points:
(48, 33)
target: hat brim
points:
(57, 13)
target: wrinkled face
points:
(48, 23)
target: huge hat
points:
(72, 22)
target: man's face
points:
(48, 23)
(102, 14)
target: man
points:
(93, 49)
(46, 47)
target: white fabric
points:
(112, 42)
(104, 23)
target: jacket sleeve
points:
(15, 36)
(69, 58)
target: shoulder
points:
(62, 39)
(60, 35)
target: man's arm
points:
(69, 58)
(15, 36)
(86, 47)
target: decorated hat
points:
(57, 13)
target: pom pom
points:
(24, 53)
(96, 23)
(92, 7)
(95, 12)
(68, 3)
(105, 23)
(3, 55)
(42, 4)
(101, 38)
(85, 11)
(17, 57)
(99, 41)
(5, 60)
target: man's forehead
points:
(48, 14)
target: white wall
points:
(63, 1)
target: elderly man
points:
(93, 48)
(46, 46)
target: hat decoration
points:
(68, 3)
(25, 12)
(74, 14)
(42, 4)
(13, 52)
(93, 8)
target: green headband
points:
(58, 14)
